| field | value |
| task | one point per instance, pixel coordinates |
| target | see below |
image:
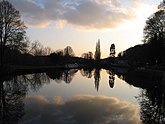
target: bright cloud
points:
(86, 14)
(83, 109)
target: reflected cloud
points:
(82, 109)
(82, 14)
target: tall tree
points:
(112, 50)
(155, 27)
(98, 51)
(12, 28)
(154, 33)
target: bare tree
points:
(68, 51)
(12, 28)
(36, 49)
(48, 51)
(88, 55)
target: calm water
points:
(79, 97)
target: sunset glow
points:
(80, 23)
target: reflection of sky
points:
(82, 85)
(82, 109)
(80, 103)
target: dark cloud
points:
(84, 109)
(86, 14)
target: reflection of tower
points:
(111, 79)
(97, 78)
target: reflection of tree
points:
(97, 78)
(55, 74)
(68, 75)
(11, 100)
(36, 81)
(12, 94)
(111, 79)
(65, 75)
(152, 101)
(152, 97)
(86, 72)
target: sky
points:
(80, 23)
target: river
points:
(80, 97)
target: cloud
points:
(85, 14)
(83, 109)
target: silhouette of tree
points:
(155, 27)
(154, 34)
(112, 50)
(60, 52)
(98, 51)
(120, 54)
(88, 55)
(12, 29)
(68, 51)
(47, 51)
(37, 49)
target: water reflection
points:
(16, 107)
(82, 109)
(97, 78)
(12, 94)
(11, 100)
(111, 78)
(152, 96)
(59, 75)
(152, 106)
(86, 72)
(152, 102)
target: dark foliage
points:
(12, 29)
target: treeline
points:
(152, 52)
(16, 48)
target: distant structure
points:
(161, 5)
